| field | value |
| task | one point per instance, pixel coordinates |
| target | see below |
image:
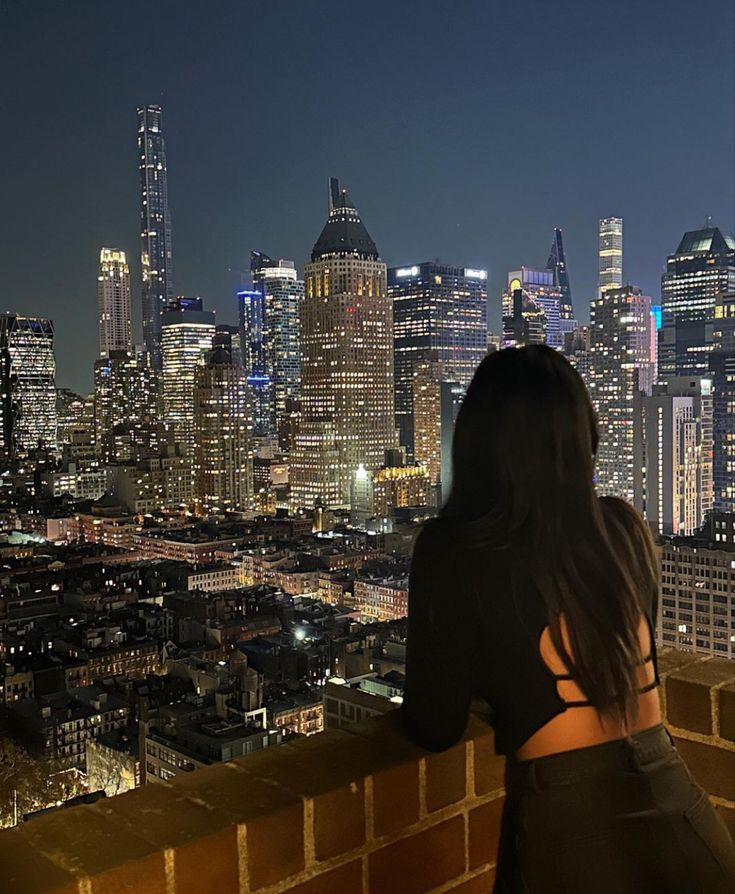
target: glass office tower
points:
(701, 268)
(27, 385)
(439, 313)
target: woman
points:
(534, 594)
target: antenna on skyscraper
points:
(333, 193)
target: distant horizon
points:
(466, 134)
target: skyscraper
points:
(702, 267)
(722, 371)
(610, 254)
(223, 459)
(155, 228)
(113, 292)
(557, 264)
(521, 315)
(269, 327)
(622, 362)
(672, 435)
(439, 312)
(524, 320)
(346, 362)
(27, 385)
(426, 400)
(186, 336)
(251, 305)
(127, 423)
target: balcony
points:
(357, 810)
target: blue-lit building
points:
(439, 311)
(155, 228)
(251, 309)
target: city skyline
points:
(480, 201)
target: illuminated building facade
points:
(722, 372)
(27, 385)
(702, 267)
(610, 254)
(127, 424)
(524, 321)
(622, 362)
(251, 304)
(223, 458)
(156, 254)
(439, 311)
(697, 600)
(347, 400)
(532, 309)
(186, 336)
(673, 455)
(375, 493)
(113, 293)
(269, 332)
(426, 400)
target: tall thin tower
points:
(155, 228)
(611, 254)
(113, 292)
(557, 264)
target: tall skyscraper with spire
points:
(155, 228)
(113, 292)
(610, 254)
(557, 264)
(347, 404)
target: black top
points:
(467, 641)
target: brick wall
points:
(698, 699)
(351, 811)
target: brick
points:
(670, 660)
(420, 862)
(484, 832)
(273, 815)
(395, 798)
(446, 777)
(339, 820)
(91, 845)
(218, 853)
(132, 877)
(23, 869)
(489, 767)
(275, 846)
(345, 879)
(712, 767)
(726, 697)
(688, 699)
(478, 884)
(728, 815)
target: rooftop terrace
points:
(355, 810)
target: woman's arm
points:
(440, 637)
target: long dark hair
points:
(522, 476)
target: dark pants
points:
(624, 817)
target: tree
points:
(28, 784)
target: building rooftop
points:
(709, 239)
(344, 234)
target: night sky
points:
(465, 130)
